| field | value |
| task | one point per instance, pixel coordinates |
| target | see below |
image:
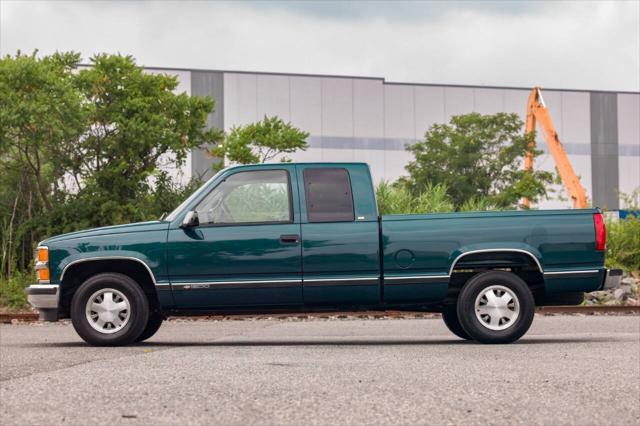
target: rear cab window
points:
(328, 195)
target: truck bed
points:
(558, 244)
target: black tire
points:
(450, 317)
(153, 325)
(477, 328)
(137, 316)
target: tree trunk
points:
(10, 234)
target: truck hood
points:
(109, 230)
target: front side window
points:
(248, 197)
(328, 194)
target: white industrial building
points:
(372, 120)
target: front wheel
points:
(109, 309)
(495, 307)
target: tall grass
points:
(623, 244)
(396, 199)
(12, 289)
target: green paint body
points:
(372, 261)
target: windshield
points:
(172, 216)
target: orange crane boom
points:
(537, 112)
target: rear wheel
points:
(495, 307)
(450, 317)
(109, 309)
(153, 325)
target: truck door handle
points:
(289, 238)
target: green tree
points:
(135, 119)
(41, 114)
(41, 117)
(260, 142)
(477, 157)
(83, 148)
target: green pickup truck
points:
(308, 237)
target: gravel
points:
(566, 370)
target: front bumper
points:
(612, 279)
(45, 298)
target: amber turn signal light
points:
(43, 274)
(43, 254)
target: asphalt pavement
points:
(582, 370)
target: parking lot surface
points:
(566, 370)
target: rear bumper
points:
(611, 279)
(45, 298)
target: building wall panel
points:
(430, 109)
(489, 101)
(273, 96)
(629, 119)
(368, 108)
(399, 113)
(515, 101)
(604, 149)
(575, 117)
(458, 101)
(207, 83)
(306, 104)
(629, 142)
(241, 94)
(629, 167)
(337, 107)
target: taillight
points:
(601, 232)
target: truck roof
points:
(314, 163)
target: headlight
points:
(42, 265)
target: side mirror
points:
(190, 220)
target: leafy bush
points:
(12, 293)
(623, 237)
(394, 199)
(623, 244)
(398, 199)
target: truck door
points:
(246, 250)
(340, 254)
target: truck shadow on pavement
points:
(335, 342)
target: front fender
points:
(141, 258)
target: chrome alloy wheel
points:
(497, 307)
(108, 310)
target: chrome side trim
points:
(453, 265)
(341, 279)
(415, 279)
(319, 282)
(153, 278)
(235, 284)
(420, 277)
(589, 271)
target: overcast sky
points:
(580, 45)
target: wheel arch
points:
(491, 252)
(525, 262)
(78, 271)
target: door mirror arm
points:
(190, 220)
